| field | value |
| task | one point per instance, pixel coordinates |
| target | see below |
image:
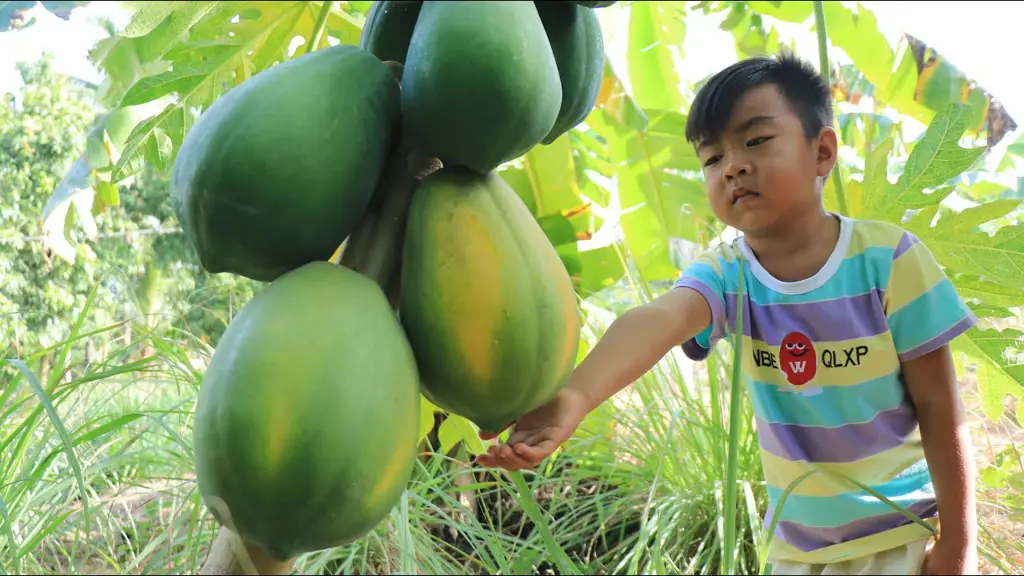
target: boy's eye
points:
(758, 140)
(710, 161)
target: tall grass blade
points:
(730, 508)
(51, 412)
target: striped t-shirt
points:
(821, 359)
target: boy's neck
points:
(798, 249)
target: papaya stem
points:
(318, 28)
(229, 555)
(826, 73)
(387, 244)
(374, 248)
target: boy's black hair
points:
(799, 83)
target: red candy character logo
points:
(797, 358)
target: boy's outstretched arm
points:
(932, 385)
(631, 346)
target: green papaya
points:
(279, 170)
(481, 84)
(487, 305)
(307, 423)
(388, 29)
(575, 37)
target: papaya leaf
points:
(796, 12)
(225, 45)
(940, 83)
(984, 190)
(857, 34)
(427, 410)
(737, 15)
(519, 180)
(106, 195)
(74, 190)
(560, 232)
(655, 201)
(342, 25)
(666, 144)
(156, 29)
(558, 229)
(142, 143)
(654, 29)
(935, 159)
(986, 311)
(998, 369)
(992, 294)
(569, 254)
(601, 267)
(457, 429)
(85, 182)
(613, 99)
(147, 16)
(589, 153)
(591, 162)
(552, 177)
(359, 7)
(685, 206)
(184, 78)
(961, 246)
(901, 90)
(752, 39)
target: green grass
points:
(96, 475)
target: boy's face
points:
(762, 170)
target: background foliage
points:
(108, 320)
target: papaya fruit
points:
(480, 85)
(388, 29)
(487, 305)
(575, 37)
(280, 169)
(306, 426)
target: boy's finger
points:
(536, 453)
(492, 461)
(510, 456)
(519, 436)
(486, 460)
(530, 439)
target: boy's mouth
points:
(743, 195)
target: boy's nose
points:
(736, 167)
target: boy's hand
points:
(538, 433)
(950, 556)
(631, 346)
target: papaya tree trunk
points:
(229, 555)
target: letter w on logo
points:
(798, 367)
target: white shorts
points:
(904, 560)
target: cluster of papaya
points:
(306, 427)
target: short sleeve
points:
(705, 276)
(922, 307)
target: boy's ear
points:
(827, 150)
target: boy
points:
(845, 352)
